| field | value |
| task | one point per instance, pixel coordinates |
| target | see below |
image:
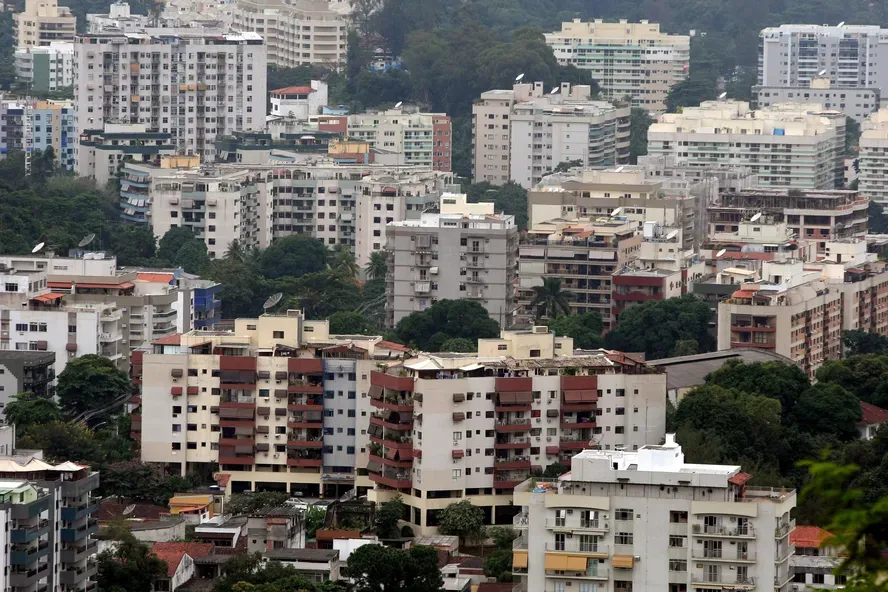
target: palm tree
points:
(344, 260)
(550, 300)
(378, 265)
(235, 251)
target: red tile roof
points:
(740, 478)
(293, 90)
(174, 339)
(872, 415)
(809, 536)
(172, 553)
(162, 278)
(392, 346)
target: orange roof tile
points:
(293, 90)
(872, 415)
(162, 278)
(392, 346)
(174, 339)
(809, 536)
(48, 297)
(172, 553)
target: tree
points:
(459, 344)
(585, 329)
(446, 319)
(342, 260)
(654, 327)
(132, 479)
(387, 516)
(555, 470)
(130, 567)
(90, 383)
(293, 256)
(510, 199)
(61, 441)
(878, 221)
(378, 265)
(549, 299)
(502, 537)
(243, 289)
(192, 257)
(374, 568)
(349, 323)
(27, 409)
(828, 409)
(321, 294)
(639, 122)
(462, 519)
(858, 343)
(864, 376)
(852, 136)
(783, 382)
(689, 93)
(174, 239)
(248, 503)
(499, 565)
(566, 165)
(314, 519)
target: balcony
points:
(31, 509)
(391, 462)
(75, 534)
(580, 424)
(79, 553)
(71, 577)
(247, 458)
(304, 386)
(27, 534)
(26, 556)
(723, 555)
(297, 440)
(513, 444)
(573, 444)
(303, 461)
(513, 425)
(22, 578)
(520, 521)
(235, 441)
(728, 581)
(514, 385)
(575, 525)
(512, 462)
(81, 486)
(578, 548)
(784, 529)
(305, 404)
(310, 423)
(391, 401)
(395, 383)
(503, 483)
(79, 511)
(379, 420)
(743, 532)
(394, 479)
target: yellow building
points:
(42, 22)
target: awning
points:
(374, 466)
(262, 429)
(280, 392)
(176, 390)
(506, 398)
(42, 345)
(459, 397)
(573, 396)
(375, 392)
(576, 563)
(47, 297)
(280, 375)
(279, 411)
(551, 413)
(391, 453)
(262, 447)
(556, 562)
(623, 561)
(71, 347)
(551, 450)
(193, 390)
(471, 367)
(176, 372)
(523, 398)
(458, 453)
(264, 374)
(519, 559)
(263, 410)
(458, 416)
(433, 271)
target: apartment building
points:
(523, 402)
(297, 33)
(420, 139)
(118, 20)
(26, 372)
(608, 525)
(873, 158)
(191, 83)
(42, 22)
(855, 102)
(48, 512)
(581, 252)
(463, 251)
(278, 402)
(786, 145)
(46, 68)
(749, 243)
(814, 216)
(800, 311)
(523, 134)
(102, 153)
(52, 125)
(851, 56)
(632, 60)
(338, 204)
(815, 561)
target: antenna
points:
(617, 211)
(399, 104)
(723, 95)
(272, 301)
(37, 248)
(756, 217)
(672, 235)
(520, 77)
(720, 253)
(87, 239)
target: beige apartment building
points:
(647, 521)
(873, 158)
(297, 33)
(43, 22)
(523, 402)
(464, 251)
(797, 145)
(632, 60)
(421, 139)
(522, 134)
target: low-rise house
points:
(315, 565)
(275, 528)
(179, 558)
(221, 531)
(871, 419)
(815, 560)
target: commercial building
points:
(42, 22)
(299, 102)
(172, 81)
(786, 145)
(800, 310)
(26, 372)
(464, 251)
(522, 134)
(581, 252)
(118, 20)
(855, 102)
(298, 33)
(873, 158)
(851, 56)
(46, 68)
(279, 403)
(608, 524)
(523, 402)
(632, 60)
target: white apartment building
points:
(299, 102)
(632, 60)
(119, 20)
(857, 103)
(297, 33)
(523, 402)
(647, 521)
(873, 158)
(192, 84)
(465, 251)
(787, 145)
(49, 67)
(102, 154)
(42, 22)
(523, 134)
(851, 56)
(420, 139)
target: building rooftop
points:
(872, 415)
(293, 90)
(309, 555)
(688, 371)
(172, 553)
(809, 536)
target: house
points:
(194, 508)
(221, 531)
(315, 565)
(871, 418)
(179, 558)
(275, 528)
(815, 560)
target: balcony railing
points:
(574, 546)
(747, 531)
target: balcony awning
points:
(262, 447)
(374, 466)
(280, 411)
(623, 561)
(519, 559)
(264, 374)
(576, 563)
(551, 450)
(280, 375)
(47, 297)
(280, 392)
(551, 413)
(176, 390)
(262, 429)
(458, 453)
(556, 562)
(375, 392)
(458, 416)
(523, 398)
(263, 410)
(459, 397)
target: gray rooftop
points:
(687, 371)
(310, 555)
(29, 357)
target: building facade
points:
(632, 60)
(299, 102)
(608, 525)
(118, 20)
(46, 68)
(857, 103)
(420, 139)
(466, 251)
(873, 158)
(43, 22)
(26, 372)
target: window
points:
(622, 514)
(457, 473)
(678, 517)
(678, 565)
(677, 541)
(623, 538)
(21, 326)
(277, 334)
(817, 579)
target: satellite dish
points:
(822, 72)
(619, 169)
(272, 301)
(554, 90)
(842, 23)
(87, 239)
(756, 217)
(723, 95)
(720, 253)
(399, 104)
(672, 235)
(37, 248)
(519, 77)
(617, 211)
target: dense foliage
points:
(462, 519)
(655, 327)
(91, 383)
(249, 573)
(129, 566)
(430, 329)
(374, 568)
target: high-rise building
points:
(522, 402)
(42, 22)
(190, 85)
(297, 33)
(648, 521)
(26, 372)
(422, 139)
(522, 134)
(851, 56)
(786, 145)
(46, 68)
(52, 126)
(855, 102)
(464, 251)
(873, 158)
(632, 60)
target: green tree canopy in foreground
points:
(655, 326)
(430, 329)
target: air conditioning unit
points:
(276, 455)
(278, 381)
(569, 512)
(175, 415)
(548, 438)
(265, 454)
(539, 420)
(277, 436)
(538, 438)
(265, 436)
(175, 380)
